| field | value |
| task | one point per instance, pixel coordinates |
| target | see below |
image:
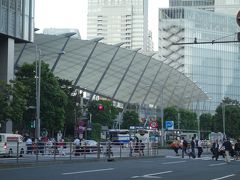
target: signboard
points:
(169, 125)
(153, 124)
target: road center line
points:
(218, 164)
(174, 162)
(89, 171)
(224, 177)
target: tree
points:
(232, 116)
(105, 116)
(70, 108)
(53, 98)
(171, 113)
(188, 119)
(5, 109)
(18, 105)
(206, 122)
(130, 118)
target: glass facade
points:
(214, 67)
(17, 19)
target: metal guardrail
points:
(44, 152)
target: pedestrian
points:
(29, 145)
(175, 146)
(130, 144)
(61, 147)
(237, 149)
(215, 150)
(199, 147)
(228, 148)
(184, 145)
(77, 144)
(192, 146)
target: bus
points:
(171, 135)
(119, 136)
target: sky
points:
(73, 14)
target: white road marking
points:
(224, 177)
(218, 164)
(152, 175)
(174, 162)
(89, 171)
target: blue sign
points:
(169, 124)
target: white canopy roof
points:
(108, 70)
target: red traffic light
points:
(100, 107)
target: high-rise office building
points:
(16, 25)
(119, 21)
(214, 66)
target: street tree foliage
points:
(188, 119)
(232, 118)
(105, 116)
(171, 113)
(71, 105)
(130, 118)
(206, 122)
(53, 98)
(5, 109)
(12, 103)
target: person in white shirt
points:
(77, 144)
(199, 147)
(29, 145)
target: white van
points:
(11, 145)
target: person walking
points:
(130, 147)
(192, 145)
(215, 150)
(77, 144)
(199, 147)
(175, 146)
(237, 149)
(184, 145)
(29, 145)
(228, 148)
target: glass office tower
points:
(214, 67)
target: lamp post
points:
(38, 55)
(162, 117)
(223, 114)
(38, 89)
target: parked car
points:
(90, 146)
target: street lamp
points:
(38, 55)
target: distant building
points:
(119, 21)
(58, 31)
(214, 67)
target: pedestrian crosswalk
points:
(204, 158)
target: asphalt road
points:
(169, 168)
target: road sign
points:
(169, 124)
(153, 124)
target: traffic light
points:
(100, 107)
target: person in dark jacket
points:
(192, 152)
(215, 150)
(228, 148)
(237, 149)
